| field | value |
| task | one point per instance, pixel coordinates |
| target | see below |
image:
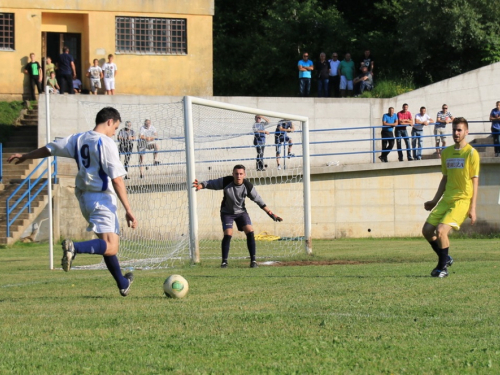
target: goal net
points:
(204, 140)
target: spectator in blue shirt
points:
(305, 67)
(259, 139)
(389, 121)
(67, 71)
(495, 127)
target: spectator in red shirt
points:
(404, 119)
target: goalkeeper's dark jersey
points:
(234, 195)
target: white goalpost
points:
(191, 164)
(203, 139)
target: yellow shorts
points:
(451, 213)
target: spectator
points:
(421, 119)
(334, 79)
(34, 70)
(281, 137)
(346, 72)
(305, 67)
(442, 118)
(368, 61)
(147, 136)
(323, 67)
(67, 71)
(404, 119)
(52, 82)
(389, 121)
(495, 127)
(77, 85)
(95, 75)
(259, 139)
(126, 137)
(363, 82)
(109, 70)
(49, 67)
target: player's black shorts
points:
(240, 219)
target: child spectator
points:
(49, 67)
(77, 85)
(52, 83)
(34, 70)
(95, 75)
(109, 70)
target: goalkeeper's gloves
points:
(274, 217)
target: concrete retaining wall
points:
(355, 199)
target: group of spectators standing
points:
(395, 128)
(61, 77)
(146, 141)
(336, 78)
(281, 140)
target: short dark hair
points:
(405, 104)
(460, 120)
(238, 166)
(422, 108)
(391, 107)
(65, 49)
(107, 113)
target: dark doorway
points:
(56, 42)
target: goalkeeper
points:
(236, 189)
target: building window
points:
(6, 31)
(151, 36)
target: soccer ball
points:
(175, 286)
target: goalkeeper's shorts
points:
(451, 213)
(242, 219)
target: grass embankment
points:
(376, 311)
(9, 112)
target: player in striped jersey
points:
(98, 182)
(456, 194)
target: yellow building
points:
(160, 47)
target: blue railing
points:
(33, 189)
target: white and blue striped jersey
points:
(96, 156)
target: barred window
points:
(160, 36)
(6, 31)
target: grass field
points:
(375, 310)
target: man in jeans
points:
(322, 67)
(404, 119)
(495, 128)
(442, 118)
(389, 121)
(421, 119)
(305, 67)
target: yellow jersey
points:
(460, 166)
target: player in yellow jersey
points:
(456, 194)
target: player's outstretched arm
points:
(271, 215)
(121, 192)
(39, 153)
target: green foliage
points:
(376, 311)
(388, 88)
(9, 112)
(257, 44)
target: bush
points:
(389, 88)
